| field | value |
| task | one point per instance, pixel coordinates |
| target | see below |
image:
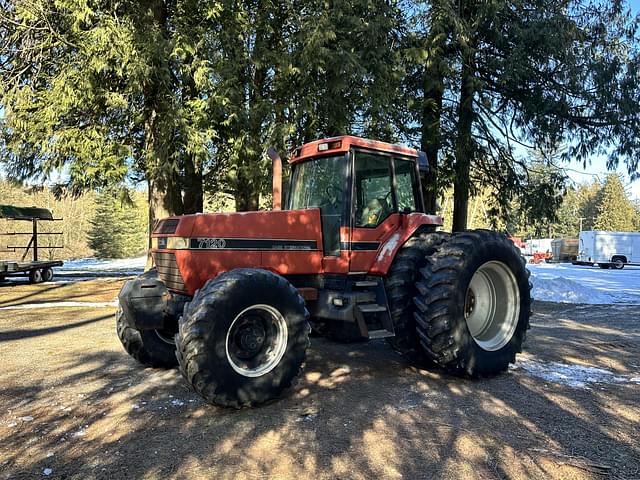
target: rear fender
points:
(388, 250)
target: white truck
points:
(609, 249)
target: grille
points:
(167, 226)
(168, 271)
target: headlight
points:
(177, 243)
(170, 243)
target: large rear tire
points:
(243, 338)
(474, 304)
(400, 285)
(152, 348)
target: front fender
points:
(144, 301)
(410, 224)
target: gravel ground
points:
(74, 405)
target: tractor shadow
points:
(358, 411)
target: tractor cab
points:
(363, 188)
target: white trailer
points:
(609, 249)
(537, 245)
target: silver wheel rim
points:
(492, 305)
(248, 353)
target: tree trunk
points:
(433, 86)
(464, 144)
(193, 196)
(165, 197)
(247, 200)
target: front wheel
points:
(243, 338)
(152, 348)
(35, 276)
(473, 309)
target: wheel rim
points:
(492, 305)
(618, 263)
(256, 340)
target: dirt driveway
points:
(74, 405)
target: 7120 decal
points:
(211, 243)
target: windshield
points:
(319, 183)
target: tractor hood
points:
(190, 249)
(293, 225)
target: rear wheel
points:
(474, 304)
(47, 274)
(153, 348)
(243, 338)
(618, 263)
(400, 285)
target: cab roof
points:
(342, 144)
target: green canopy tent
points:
(25, 213)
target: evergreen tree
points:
(119, 227)
(578, 209)
(525, 74)
(616, 211)
(106, 90)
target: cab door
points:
(384, 190)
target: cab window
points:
(374, 198)
(406, 186)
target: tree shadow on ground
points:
(358, 411)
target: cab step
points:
(372, 308)
(374, 334)
(366, 297)
(365, 283)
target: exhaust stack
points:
(277, 178)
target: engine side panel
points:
(286, 242)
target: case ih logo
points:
(211, 243)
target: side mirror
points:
(423, 162)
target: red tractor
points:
(234, 296)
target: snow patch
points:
(564, 290)
(28, 306)
(47, 471)
(28, 418)
(576, 376)
(566, 283)
(134, 265)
